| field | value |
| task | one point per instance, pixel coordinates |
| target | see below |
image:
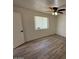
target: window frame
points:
(40, 27)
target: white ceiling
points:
(39, 5)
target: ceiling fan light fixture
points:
(54, 13)
(55, 10)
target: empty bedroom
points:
(39, 29)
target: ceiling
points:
(39, 5)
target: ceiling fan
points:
(56, 10)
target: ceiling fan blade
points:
(49, 11)
(50, 8)
(60, 12)
(61, 9)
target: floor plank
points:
(50, 47)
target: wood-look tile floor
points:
(51, 47)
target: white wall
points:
(28, 24)
(61, 25)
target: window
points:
(41, 22)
